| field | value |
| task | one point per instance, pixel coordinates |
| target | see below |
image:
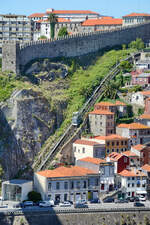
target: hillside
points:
(34, 106)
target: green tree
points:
(34, 196)
(125, 66)
(53, 20)
(62, 32)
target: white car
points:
(142, 198)
(46, 203)
(28, 203)
(65, 204)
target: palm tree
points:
(53, 20)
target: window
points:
(112, 143)
(117, 143)
(72, 185)
(107, 143)
(102, 170)
(78, 184)
(49, 186)
(66, 185)
(84, 184)
(108, 151)
(128, 178)
(96, 182)
(57, 185)
(128, 185)
(132, 184)
(125, 160)
(74, 149)
(83, 150)
(133, 178)
(78, 150)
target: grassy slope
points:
(80, 83)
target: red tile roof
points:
(120, 103)
(145, 92)
(105, 104)
(137, 14)
(36, 15)
(132, 173)
(129, 154)
(111, 137)
(93, 160)
(145, 116)
(133, 126)
(114, 156)
(73, 12)
(101, 112)
(107, 17)
(59, 20)
(73, 171)
(146, 167)
(86, 142)
(138, 147)
(102, 21)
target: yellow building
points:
(113, 143)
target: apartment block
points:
(15, 28)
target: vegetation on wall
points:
(62, 32)
(42, 37)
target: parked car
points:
(108, 200)
(142, 198)
(136, 199)
(138, 204)
(121, 200)
(28, 203)
(82, 201)
(65, 204)
(46, 203)
(130, 199)
(18, 205)
(96, 200)
(80, 205)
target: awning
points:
(141, 192)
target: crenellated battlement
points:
(15, 56)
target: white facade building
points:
(85, 148)
(137, 133)
(133, 182)
(138, 98)
(103, 167)
(16, 190)
(67, 183)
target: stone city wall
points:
(15, 57)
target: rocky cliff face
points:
(27, 119)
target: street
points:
(128, 205)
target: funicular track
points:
(44, 159)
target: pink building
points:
(140, 78)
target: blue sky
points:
(116, 8)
